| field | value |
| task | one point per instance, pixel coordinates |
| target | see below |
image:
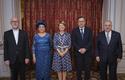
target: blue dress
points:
(61, 63)
(41, 49)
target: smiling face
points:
(61, 27)
(15, 23)
(108, 26)
(81, 22)
(41, 28)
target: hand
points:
(64, 52)
(61, 54)
(82, 50)
(26, 61)
(34, 60)
(7, 62)
(118, 60)
(97, 59)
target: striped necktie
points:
(107, 37)
(81, 31)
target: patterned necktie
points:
(107, 36)
(81, 31)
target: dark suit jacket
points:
(12, 51)
(109, 52)
(86, 42)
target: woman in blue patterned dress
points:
(41, 52)
(61, 59)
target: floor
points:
(72, 76)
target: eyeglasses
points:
(107, 25)
(14, 21)
(41, 26)
(81, 21)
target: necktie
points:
(108, 39)
(81, 31)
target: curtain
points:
(54, 11)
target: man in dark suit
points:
(108, 51)
(16, 50)
(82, 42)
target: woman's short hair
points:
(62, 22)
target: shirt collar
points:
(15, 30)
(108, 32)
(82, 28)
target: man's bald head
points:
(14, 19)
(15, 22)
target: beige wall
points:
(1, 21)
(8, 8)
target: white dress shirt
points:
(82, 29)
(16, 34)
(109, 35)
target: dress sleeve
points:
(68, 40)
(55, 41)
(50, 41)
(33, 45)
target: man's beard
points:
(15, 27)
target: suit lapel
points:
(78, 30)
(13, 39)
(104, 36)
(112, 36)
(79, 33)
(85, 32)
(19, 37)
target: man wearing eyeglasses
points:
(82, 43)
(108, 51)
(16, 50)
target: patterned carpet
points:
(72, 76)
(94, 76)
